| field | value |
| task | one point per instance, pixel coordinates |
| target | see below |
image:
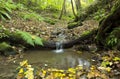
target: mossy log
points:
(88, 38)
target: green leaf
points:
(105, 63)
(5, 14)
(116, 59)
(26, 37)
(38, 40)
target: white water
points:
(59, 43)
(59, 47)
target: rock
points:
(6, 49)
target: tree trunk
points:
(78, 6)
(73, 9)
(63, 9)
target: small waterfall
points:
(59, 47)
(60, 40)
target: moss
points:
(86, 33)
(74, 24)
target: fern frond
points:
(37, 40)
(26, 37)
(3, 13)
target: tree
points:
(73, 9)
(63, 9)
(78, 6)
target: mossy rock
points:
(6, 49)
(74, 24)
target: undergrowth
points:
(5, 10)
(113, 39)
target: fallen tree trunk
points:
(89, 38)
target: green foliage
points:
(116, 59)
(6, 49)
(4, 10)
(31, 15)
(105, 63)
(114, 38)
(73, 25)
(112, 41)
(116, 5)
(52, 5)
(99, 14)
(28, 38)
(19, 6)
(25, 36)
(86, 3)
(37, 40)
(4, 46)
(50, 21)
(86, 33)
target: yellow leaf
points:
(24, 63)
(71, 70)
(92, 67)
(29, 74)
(108, 69)
(79, 68)
(106, 58)
(21, 71)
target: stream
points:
(62, 60)
(41, 58)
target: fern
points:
(28, 38)
(37, 40)
(114, 37)
(4, 10)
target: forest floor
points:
(48, 31)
